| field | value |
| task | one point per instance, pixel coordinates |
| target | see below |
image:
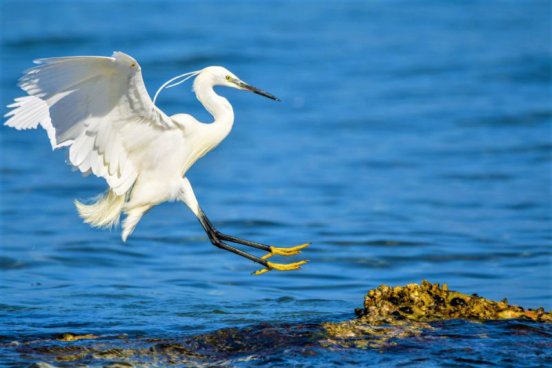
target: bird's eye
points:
(228, 77)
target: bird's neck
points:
(216, 105)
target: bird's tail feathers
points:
(104, 211)
(133, 216)
(131, 220)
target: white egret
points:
(99, 108)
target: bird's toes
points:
(280, 267)
(260, 272)
(291, 251)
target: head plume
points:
(173, 82)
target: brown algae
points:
(403, 311)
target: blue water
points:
(413, 142)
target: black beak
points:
(257, 91)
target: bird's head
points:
(221, 76)
(213, 76)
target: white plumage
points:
(99, 108)
(87, 103)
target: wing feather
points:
(91, 104)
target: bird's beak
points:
(247, 87)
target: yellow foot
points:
(280, 267)
(274, 251)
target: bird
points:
(99, 109)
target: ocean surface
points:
(413, 141)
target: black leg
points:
(205, 222)
(216, 238)
(249, 243)
(230, 248)
(230, 238)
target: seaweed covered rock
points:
(430, 302)
(404, 311)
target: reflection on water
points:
(413, 141)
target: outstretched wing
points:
(86, 102)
